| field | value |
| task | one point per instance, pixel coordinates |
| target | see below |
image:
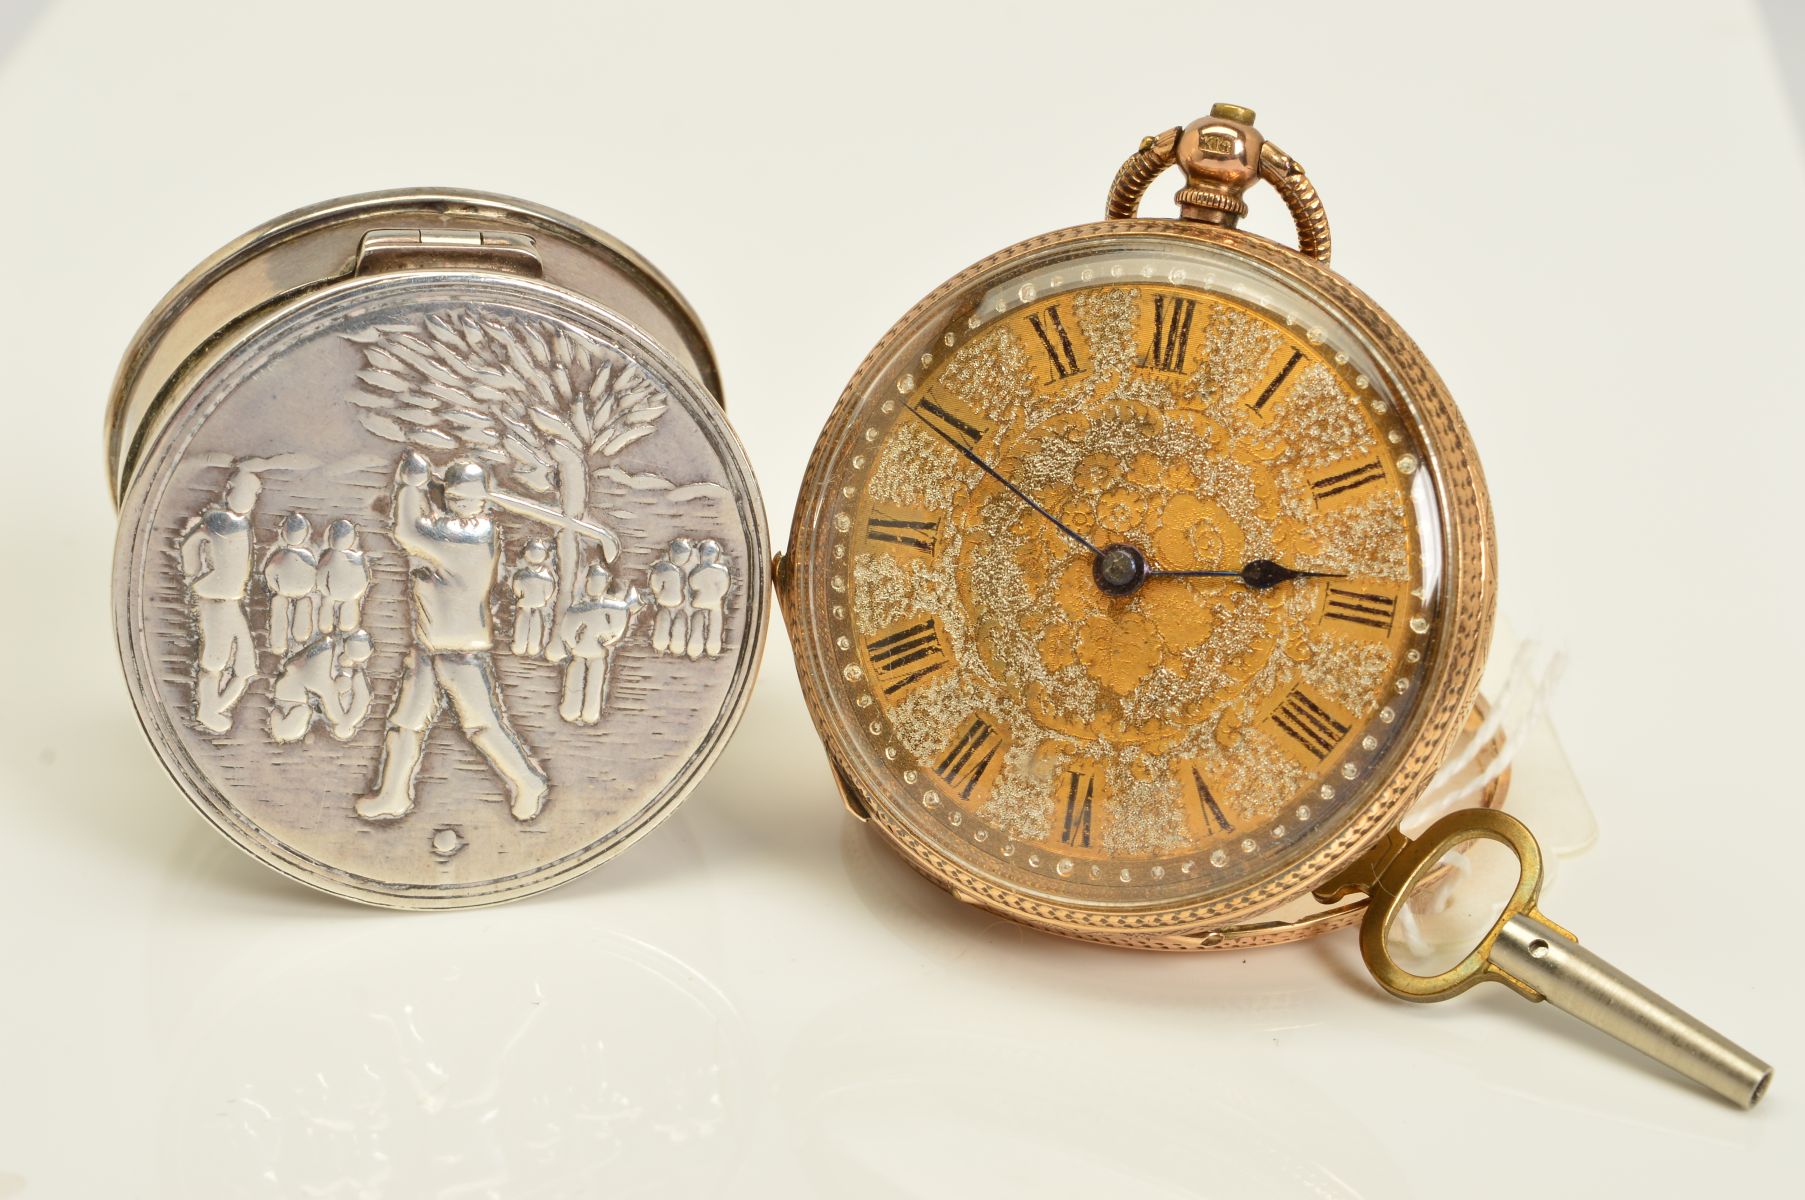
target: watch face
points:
(437, 590)
(1122, 575)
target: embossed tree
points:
(541, 408)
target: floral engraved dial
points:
(1132, 584)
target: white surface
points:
(1583, 213)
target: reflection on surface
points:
(476, 1055)
(1105, 1111)
(493, 1074)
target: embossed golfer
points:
(291, 571)
(588, 632)
(344, 579)
(216, 563)
(326, 680)
(670, 588)
(453, 556)
(708, 585)
(535, 586)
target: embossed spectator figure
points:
(344, 578)
(216, 563)
(326, 679)
(453, 557)
(670, 591)
(534, 584)
(708, 584)
(291, 572)
(588, 632)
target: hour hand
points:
(1260, 574)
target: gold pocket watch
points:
(1143, 576)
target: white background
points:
(1585, 214)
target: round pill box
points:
(440, 574)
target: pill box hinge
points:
(447, 249)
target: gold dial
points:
(1124, 582)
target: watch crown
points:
(1220, 156)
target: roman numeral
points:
(1208, 811)
(1278, 381)
(1347, 480)
(1171, 332)
(960, 428)
(1309, 723)
(1079, 792)
(1056, 342)
(906, 656)
(963, 765)
(902, 531)
(1370, 609)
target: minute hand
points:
(991, 471)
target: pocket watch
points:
(1143, 575)
(440, 574)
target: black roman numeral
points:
(906, 656)
(959, 427)
(1370, 609)
(1278, 381)
(1348, 480)
(1056, 342)
(1171, 332)
(964, 765)
(901, 531)
(1211, 812)
(1309, 724)
(1079, 791)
